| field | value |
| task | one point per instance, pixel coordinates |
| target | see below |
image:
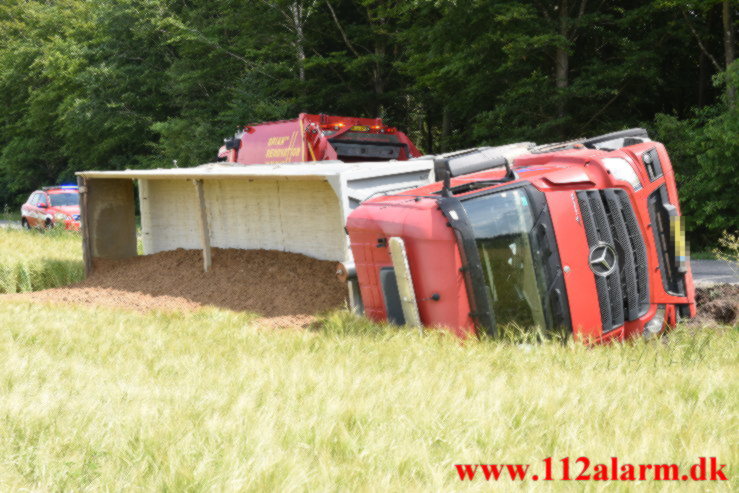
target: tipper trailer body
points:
(300, 208)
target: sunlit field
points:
(34, 260)
(102, 399)
(109, 399)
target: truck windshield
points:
(514, 277)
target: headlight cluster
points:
(654, 326)
(61, 217)
(622, 170)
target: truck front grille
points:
(609, 219)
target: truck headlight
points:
(61, 217)
(654, 326)
(622, 170)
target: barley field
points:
(34, 260)
(105, 399)
(108, 399)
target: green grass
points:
(103, 399)
(34, 260)
(10, 216)
(704, 255)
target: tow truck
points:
(310, 138)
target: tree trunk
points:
(429, 135)
(728, 26)
(562, 58)
(295, 10)
(445, 129)
(377, 77)
(702, 76)
(380, 51)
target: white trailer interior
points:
(299, 208)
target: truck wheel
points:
(24, 224)
(48, 224)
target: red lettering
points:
(669, 471)
(548, 469)
(466, 470)
(701, 466)
(627, 473)
(586, 464)
(601, 473)
(493, 470)
(717, 474)
(516, 470)
(565, 468)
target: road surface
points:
(714, 271)
(10, 224)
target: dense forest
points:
(112, 84)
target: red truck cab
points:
(317, 138)
(584, 236)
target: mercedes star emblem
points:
(603, 260)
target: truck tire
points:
(24, 224)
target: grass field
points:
(102, 399)
(10, 216)
(33, 260)
(96, 399)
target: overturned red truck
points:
(584, 236)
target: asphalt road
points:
(714, 271)
(704, 271)
(10, 224)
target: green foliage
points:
(704, 149)
(140, 83)
(728, 249)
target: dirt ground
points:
(286, 289)
(717, 304)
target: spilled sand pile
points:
(284, 288)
